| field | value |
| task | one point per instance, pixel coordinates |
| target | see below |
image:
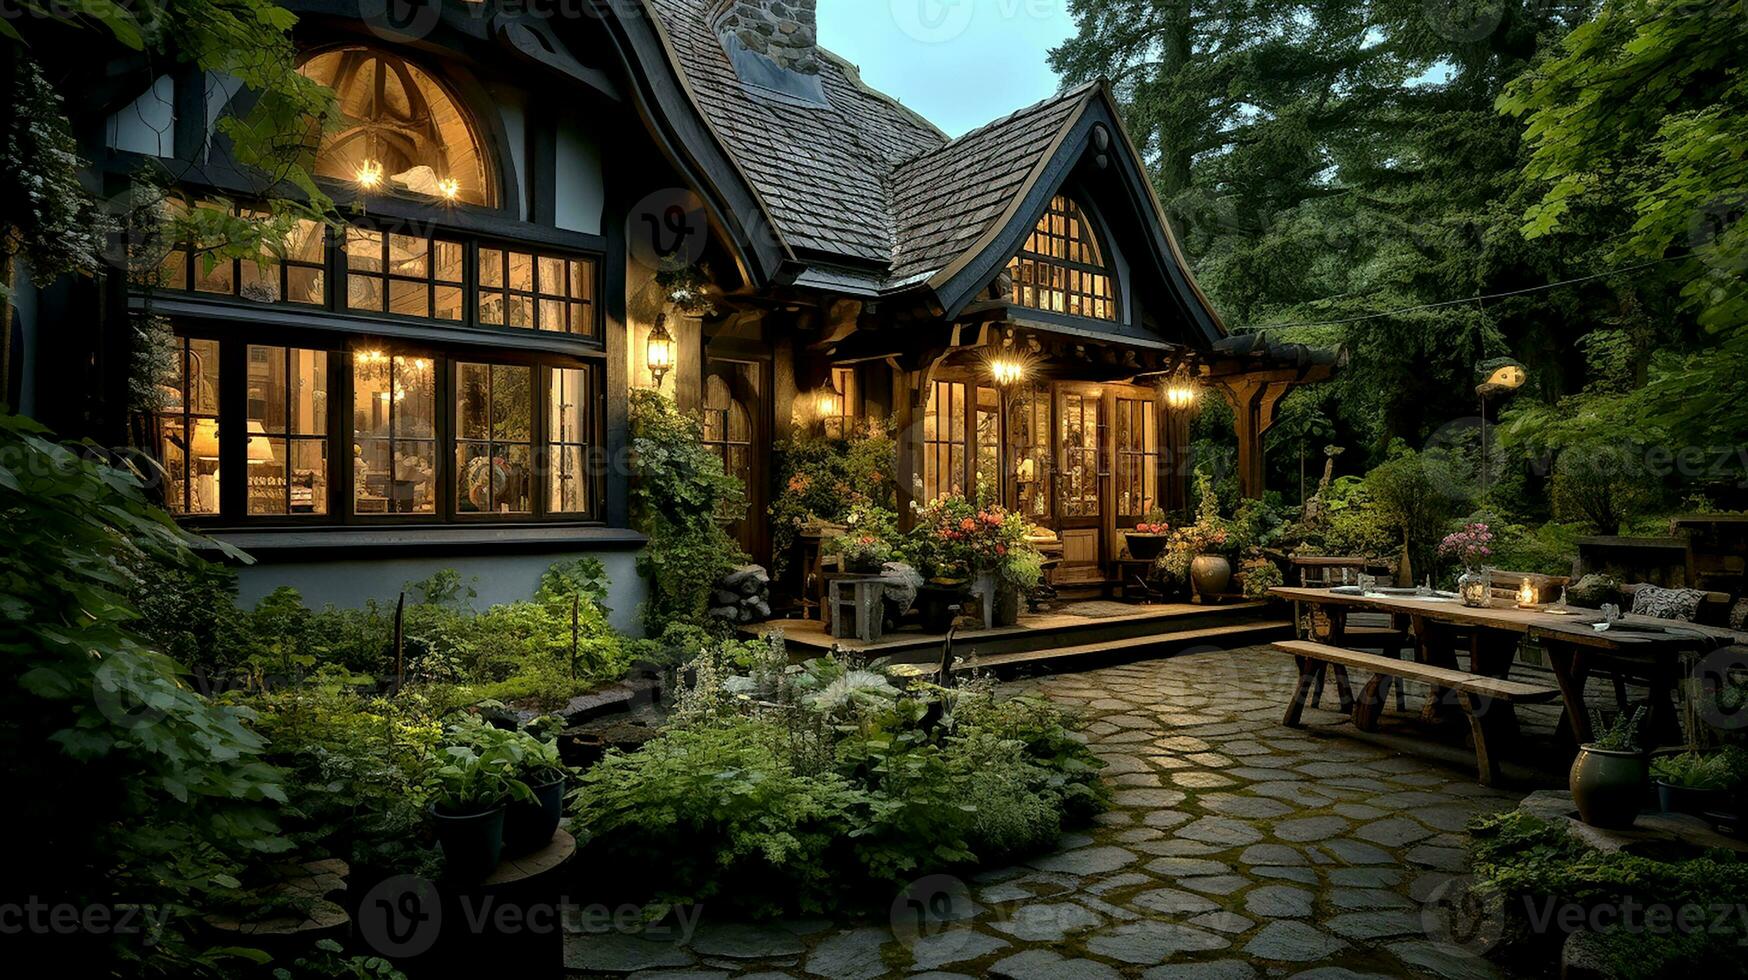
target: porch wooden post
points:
(1176, 461)
(910, 400)
(1254, 405)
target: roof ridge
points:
(853, 74)
(1065, 95)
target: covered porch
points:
(1086, 433)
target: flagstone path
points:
(1235, 848)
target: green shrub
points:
(132, 788)
(797, 788)
(677, 498)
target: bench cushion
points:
(1460, 680)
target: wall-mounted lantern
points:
(660, 351)
(1007, 370)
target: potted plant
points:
(467, 810)
(1471, 547)
(530, 822)
(1021, 571)
(955, 546)
(866, 544)
(1610, 776)
(1209, 541)
(1149, 538)
(1692, 783)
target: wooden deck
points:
(1074, 630)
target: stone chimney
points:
(785, 32)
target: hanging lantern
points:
(1007, 371)
(660, 351)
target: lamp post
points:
(1007, 371)
(1500, 377)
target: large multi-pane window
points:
(544, 292)
(288, 431)
(989, 475)
(429, 435)
(1062, 268)
(569, 436)
(944, 442)
(1080, 454)
(188, 430)
(394, 423)
(291, 269)
(1137, 457)
(407, 275)
(494, 439)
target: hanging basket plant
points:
(688, 289)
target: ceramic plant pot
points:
(1609, 787)
(1211, 575)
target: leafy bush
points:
(780, 787)
(1533, 866)
(1550, 549)
(677, 497)
(1726, 769)
(1602, 485)
(1411, 494)
(135, 789)
(824, 477)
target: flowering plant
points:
(1153, 523)
(867, 544)
(955, 539)
(1471, 546)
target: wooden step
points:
(1225, 637)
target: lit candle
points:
(1526, 596)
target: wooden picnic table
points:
(1645, 648)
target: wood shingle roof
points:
(861, 180)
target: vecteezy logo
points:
(929, 907)
(401, 917)
(933, 21)
(1722, 678)
(1459, 915)
(668, 229)
(1464, 21)
(399, 20)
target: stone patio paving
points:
(1234, 848)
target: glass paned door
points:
(1080, 483)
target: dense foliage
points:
(776, 787)
(825, 478)
(1433, 185)
(135, 789)
(1532, 869)
(678, 493)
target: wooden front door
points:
(735, 413)
(1080, 481)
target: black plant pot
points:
(529, 824)
(472, 843)
(1686, 799)
(935, 605)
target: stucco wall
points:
(497, 578)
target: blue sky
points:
(961, 63)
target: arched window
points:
(1062, 268)
(401, 131)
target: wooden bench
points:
(1475, 692)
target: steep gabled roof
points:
(821, 170)
(946, 199)
(872, 198)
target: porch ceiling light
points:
(660, 350)
(1181, 394)
(450, 188)
(1007, 370)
